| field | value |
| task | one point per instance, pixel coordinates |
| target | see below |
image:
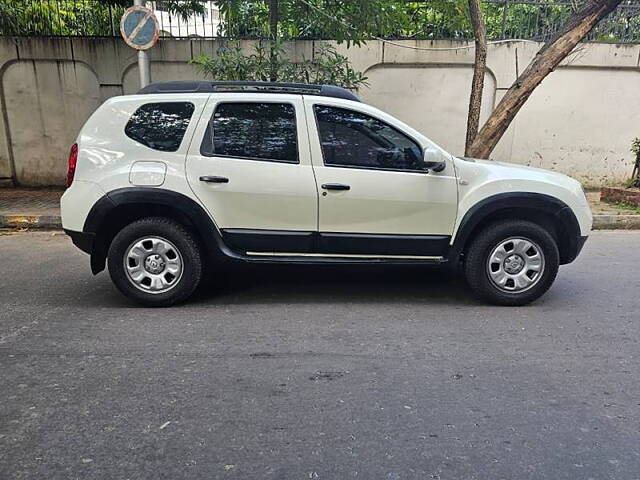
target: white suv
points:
(188, 172)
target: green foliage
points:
(72, 17)
(250, 19)
(326, 67)
(634, 181)
(350, 21)
(181, 8)
(354, 21)
(76, 17)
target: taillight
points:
(73, 160)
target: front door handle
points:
(214, 179)
(335, 186)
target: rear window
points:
(253, 131)
(160, 126)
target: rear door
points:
(376, 196)
(249, 164)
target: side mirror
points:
(434, 160)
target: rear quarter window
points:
(160, 126)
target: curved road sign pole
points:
(144, 67)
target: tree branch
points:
(479, 68)
(545, 61)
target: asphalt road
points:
(318, 372)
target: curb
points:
(54, 222)
(49, 222)
(616, 222)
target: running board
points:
(327, 258)
(341, 258)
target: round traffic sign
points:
(139, 28)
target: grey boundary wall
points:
(580, 121)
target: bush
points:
(327, 67)
(634, 181)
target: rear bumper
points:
(83, 240)
(86, 241)
(76, 203)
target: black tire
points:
(188, 253)
(477, 267)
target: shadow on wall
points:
(46, 104)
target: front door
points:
(249, 164)
(375, 195)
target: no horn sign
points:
(139, 28)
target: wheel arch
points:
(125, 205)
(547, 211)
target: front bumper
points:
(579, 244)
(573, 249)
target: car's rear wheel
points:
(512, 263)
(155, 261)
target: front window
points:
(354, 139)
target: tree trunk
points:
(546, 60)
(479, 68)
(273, 33)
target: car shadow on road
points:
(330, 284)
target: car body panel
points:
(382, 201)
(481, 179)
(259, 194)
(76, 203)
(106, 154)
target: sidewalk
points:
(30, 208)
(40, 208)
(612, 217)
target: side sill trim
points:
(345, 255)
(267, 240)
(289, 242)
(334, 259)
(383, 245)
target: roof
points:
(203, 86)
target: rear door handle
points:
(335, 186)
(214, 179)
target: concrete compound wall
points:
(580, 121)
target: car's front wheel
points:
(155, 261)
(512, 263)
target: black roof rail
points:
(203, 86)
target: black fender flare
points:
(194, 214)
(552, 206)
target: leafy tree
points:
(326, 67)
(358, 20)
(76, 17)
(480, 66)
(182, 8)
(341, 20)
(73, 17)
(554, 51)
